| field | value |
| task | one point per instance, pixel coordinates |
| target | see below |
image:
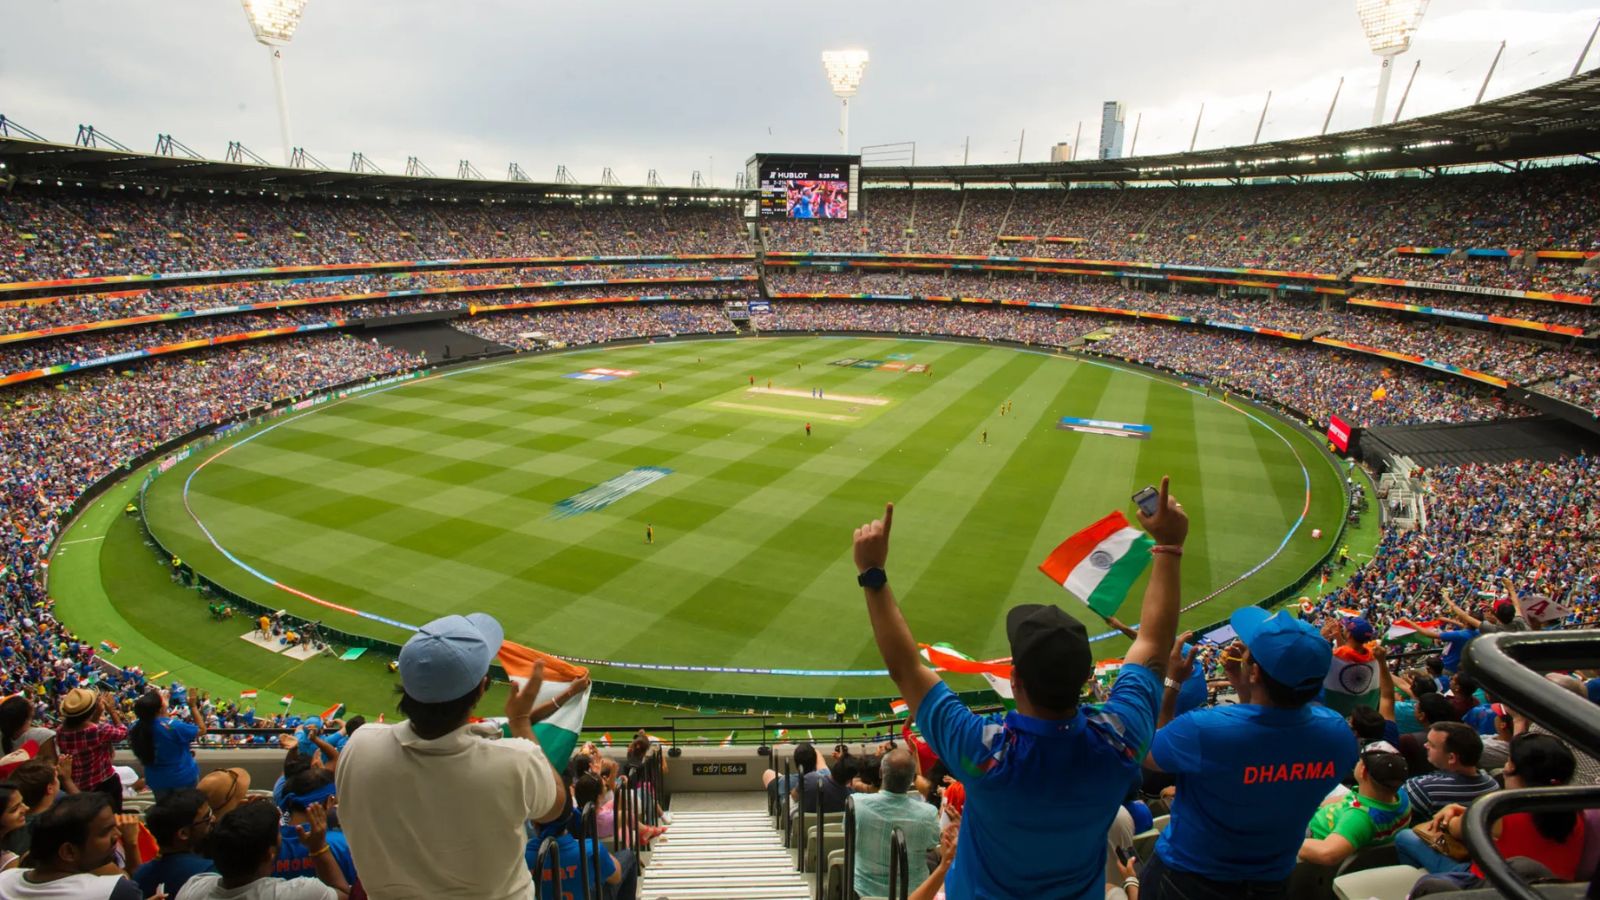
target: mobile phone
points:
(1147, 500)
(1122, 855)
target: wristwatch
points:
(1173, 684)
(873, 578)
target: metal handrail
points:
(899, 888)
(588, 830)
(554, 847)
(1481, 815)
(800, 838)
(1510, 666)
(621, 815)
(849, 846)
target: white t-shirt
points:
(14, 885)
(441, 818)
(208, 886)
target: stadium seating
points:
(64, 432)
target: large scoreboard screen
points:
(807, 187)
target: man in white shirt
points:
(244, 848)
(430, 809)
(71, 840)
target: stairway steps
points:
(721, 856)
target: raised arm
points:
(1158, 617)
(1179, 668)
(895, 642)
(1118, 625)
(315, 838)
(1385, 683)
(1462, 616)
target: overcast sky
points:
(702, 84)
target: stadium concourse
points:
(1402, 300)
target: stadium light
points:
(1389, 25)
(274, 22)
(844, 68)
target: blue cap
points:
(1291, 651)
(448, 657)
(1359, 629)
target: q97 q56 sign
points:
(719, 768)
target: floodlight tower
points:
(1389, 25)
(844, 68)
(274, 22)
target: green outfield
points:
(516, 489)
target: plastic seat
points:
(1144, 843)
(1382, 883)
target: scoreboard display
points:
(806, 187)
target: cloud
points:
(701, 85)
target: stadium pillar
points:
(1384, 74)
(283, 100)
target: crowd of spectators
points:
(1533, 524)
(76, 309)
(1544, 312)
(1315, 381)
(49, 232)
(1511, 273)
(1296, 314)
(594, 325)
(1327, 226)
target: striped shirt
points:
(877, 816)
(1434, 791)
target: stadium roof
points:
(107, 166)
(1557, 119)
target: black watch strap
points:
(872, 578)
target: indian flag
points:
(996, 672)
(1407, 631)
(332, 712)
(605, 739)
(287, 699)
(943, 656)
(109, 647)
(1352, 680)
(1002, 687)
(247, 695)
(558, 734)
(728, 741)
(899, 707)
(1099, 564)
(780, 733)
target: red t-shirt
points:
(1518, 837)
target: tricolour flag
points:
(899, 707)
(247, 695)
(1099, 564)
(943, 656)
(781, 733)
(109, 647)
(558, 734)
(605, 739)
(728, 741)
(332, 712)
(287, 699)
(1407, 631)
(1352, 680)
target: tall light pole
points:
(844, 68)
(1389, 25)
(274, 22)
